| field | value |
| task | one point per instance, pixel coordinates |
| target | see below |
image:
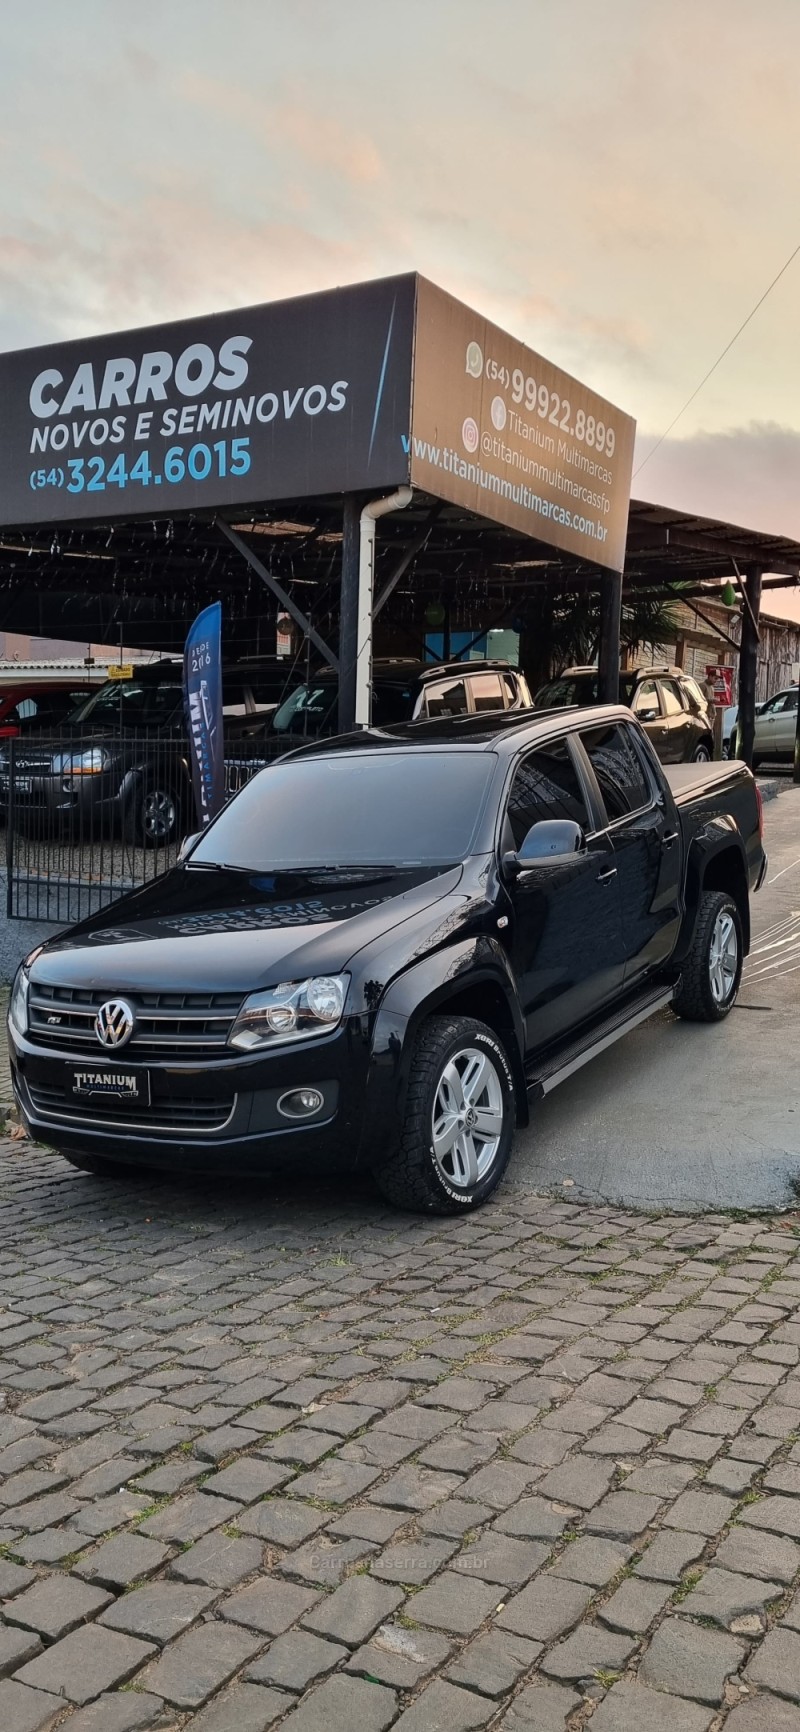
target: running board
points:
(562, 1064)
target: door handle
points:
(664, 732)
(667, 841)
(603, 877)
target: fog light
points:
(300, 1103)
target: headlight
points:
(88, 763)
(18, 1008)
(294, 1011)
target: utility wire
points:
(727, 348)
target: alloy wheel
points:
(723, 957)
(467, 1118)
(159, 816)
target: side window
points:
(615, 761)
(673, 705)
(545, 785)
(448, 699)
(391, 704)
(26, 708)
(510, 690)
(646, 697)
(487, 693)
(791, 700)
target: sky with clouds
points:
(614, 182)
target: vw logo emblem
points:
(113, 1023)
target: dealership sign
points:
(353, 390)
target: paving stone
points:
(107, 1513)
(496, 1557)
(455, 1603)
(17, 1646)
(85, 1663)
(727, 1597)
(594, 1561)
(199, 1662)
(13, 1579)
(581, 1482)
(295, 1660)
(128, 1711)
(244, 1708)
(776, 1664)
(122, 1560)
(764, 1714)
(631, 1707)
(700, 1512)
(730, 1476)
(400, 1657)
(413, 1561)
(660, 1477)
(540, 1707)
(217, 1561)
(334, 1481)
(281, 1521)
(365, 1522)
(56, 1605)
(623, 1515)
(454, 1518)
(441, 1707)
(494, 1662)
(590, 1649)
(188, 1518)
(301, 1446)
(545, 1609)
(753, 1553)
(269, 1604)
(415, 1488)
(354, 1610)
(635, 1605)
(498, 1485)
(158, 1612)
(687, 1660)
(24, 1710)
(246, 1480)
(780, 1515)
(535, 1518)
(343, 1704)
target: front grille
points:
(165, 1022)
(190, 1113)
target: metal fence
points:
(87, 820)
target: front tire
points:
(703, 753)
(458, 1125)
(154, 818)
(713, 969)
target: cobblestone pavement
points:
(267, 1460)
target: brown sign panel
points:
(502, 432)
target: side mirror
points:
(187, 845)
(551, 842)
(647, 715)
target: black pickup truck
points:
(386, 948)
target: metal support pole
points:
(748, 666)
(348, 614)
(609, 647)
(796, 776)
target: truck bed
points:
(690, 781)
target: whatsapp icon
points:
(474, 360)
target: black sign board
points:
(290, 399)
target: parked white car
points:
(776, 726)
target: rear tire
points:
(713, 969)
(458, 1125)
(703, 753)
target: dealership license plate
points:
(132, 1088)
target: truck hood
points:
(215, 930)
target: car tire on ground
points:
(713, 969)
(703, 753)
(458, 1125)
(154, 817)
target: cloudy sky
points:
(615, 182)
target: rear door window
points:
(487, 692)
(646, 698)
(673, 702)
(546, 784)
(621, 776)
(447, 699)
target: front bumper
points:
(219, 1115)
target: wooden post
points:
(609, 649)
(748, 665)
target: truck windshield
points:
(358, 808)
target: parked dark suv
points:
(672, 709)
(121, 762)
(403, 691)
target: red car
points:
(30, 703)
